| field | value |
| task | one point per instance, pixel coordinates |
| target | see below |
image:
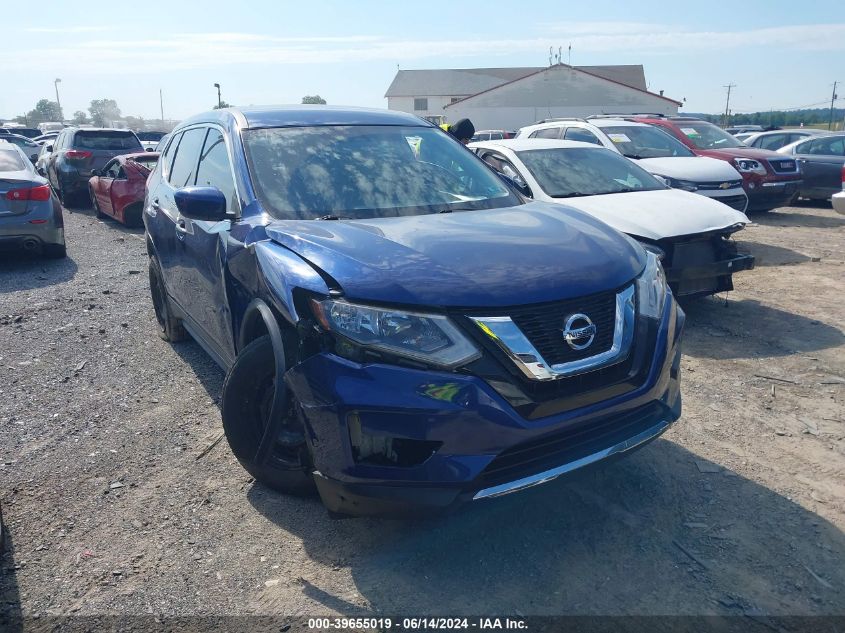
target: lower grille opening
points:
(550, 451)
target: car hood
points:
(694, 168)
(532, 253)
(656, 215)
(746, 152)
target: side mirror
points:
(49, 148)
(201, 203)
(96, 172)
(33, 158)
(520, 186)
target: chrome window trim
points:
(511, 340)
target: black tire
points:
(96, 205)
(55, 251)
(169, 327)
(248, 393)
(133, 216)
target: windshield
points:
(644, 141)
(107, 140)
(566, 173)
(149, 136)
(316, 172)
(707, 136)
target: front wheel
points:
(248, 393)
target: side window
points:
(183, 171)
(215, 169)
(111, 169)
(580, 134)
(169, 153)
(549, 132)
(803, 148)
(773, 141)
(504, 166)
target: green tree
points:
(79, 117)
(314, 99)
(103, 111)
(222, 104)
(45, 110)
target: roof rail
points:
(623, 115)
(562, 118)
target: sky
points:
(780, 53)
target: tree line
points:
(102, 113)
(781, 118)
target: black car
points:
(29, 132)
(77, 152)
(820, 159)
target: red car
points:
(118, 189)
(770, 179)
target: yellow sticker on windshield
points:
(619, 138)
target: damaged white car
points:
(692, 233)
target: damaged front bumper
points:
(707, 278)
(399, 441)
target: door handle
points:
(155, 205)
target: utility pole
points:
(161, 104)
(219, 101)
(56, 84)
(728, 104)
(832, 99)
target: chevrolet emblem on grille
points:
(579, 332)
(725, 185)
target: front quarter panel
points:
(282, 271)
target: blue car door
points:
(201, 252)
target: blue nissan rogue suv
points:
(400, 328)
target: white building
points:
(509, 98)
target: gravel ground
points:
(115, 505)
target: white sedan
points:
(692, 233)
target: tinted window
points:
(10, 160)
(149, 136)
(578, 134)
(368, 171)
(214, 168)
(833, 146)
(564, 173)
(772, 141)
(643, 141)
(184, 169)
(107, 140)
(169, 153)
(549, 132)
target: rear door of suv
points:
(92, 149)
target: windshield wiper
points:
(634, 156)
(574, 194)
(333, 217)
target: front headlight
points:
(430, 338)
(748, 166)
(675, 183)
(651, 288)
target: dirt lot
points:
(113, 509)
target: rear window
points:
(10, 160)
(106, 140)
(146, 162)
(149, 136)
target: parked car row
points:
(408, 324)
